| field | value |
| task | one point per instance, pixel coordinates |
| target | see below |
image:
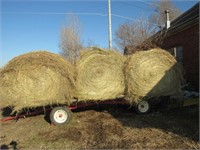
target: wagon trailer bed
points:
(61, 114)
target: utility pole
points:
(109, 25)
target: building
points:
(182, 40)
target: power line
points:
(123, 17)
(148, 3)
(51, 13)
(55, 13)
(133, 19)
(67, 0)
(131, 5)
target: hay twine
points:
(151, 74)
(36, 79)
(99, 75)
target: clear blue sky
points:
(28, 25)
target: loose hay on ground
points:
(150, 74)
(99, 75)
(36, 79)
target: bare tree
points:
(133, 33)
(138, 35)
(91, 43)
(159, 16)
(70, 38)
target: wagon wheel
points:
(60, 115)
(143, 107)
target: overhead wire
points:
(144, 1)
(64, 13)
(148, 3)
(133, 5)
(125, 2)
(51, 13)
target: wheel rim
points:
(143, 106)
(60, 116)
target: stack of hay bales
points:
(41, 78)
(99, 75)
(36, 79)
(151, 74)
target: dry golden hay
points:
(36, 79)
(151, 74)
(99, 75)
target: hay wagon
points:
(62, 114)
(41, 79)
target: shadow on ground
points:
(181, 121)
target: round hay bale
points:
(36, 79)
(99, 75)
(151, 74)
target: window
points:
(177, 52)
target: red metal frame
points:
(107, 102)
(71, 107)
(24, 115)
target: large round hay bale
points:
(99, 75)
(36, 79)
(151, 74)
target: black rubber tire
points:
(60, 115)
(143, 107)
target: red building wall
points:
(189, 40)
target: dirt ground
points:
(107, 127)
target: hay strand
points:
(36, 79)
(99, 75)
(151, 74)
